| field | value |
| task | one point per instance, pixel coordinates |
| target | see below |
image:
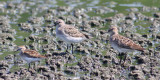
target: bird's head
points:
(21, 48)
(59, 22)
(113, 30)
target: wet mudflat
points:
(31, 23)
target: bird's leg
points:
(125, 56)
(29, 65)
(35, 66)
(120, 56)
(67, 48)
(14, 59)
(72, 47)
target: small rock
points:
(94, 23)
(149, 43)
(49, 75)
(25, 27)
(9, 57)
(134, 67)
(53, 67)
(157, 15)
(95, 72)
(141, 59)
(36, 20)
(146, 9)
(3, 64)
(40, 77)
(7, 36)
(145, 36)
(131, 16)
(10, 5)
(43, 68)
(133, 9)
(158, 36)
(84, 78)
(70, 71)
(137, 74)
(64, 8)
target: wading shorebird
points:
(122, 44)
(29, 55)
(68, 34)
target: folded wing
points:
(127, 43)
(33, 54)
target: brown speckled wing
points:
(71, 31)
(33, 54)
(127, 43)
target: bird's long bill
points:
(55, 23)
(109, 30)
(18, 49)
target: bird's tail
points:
(139, 48)
(43, 56)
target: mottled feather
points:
(71, 31)
(32, 54)
(124, 42)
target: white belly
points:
(120, 49)
(28, 60)
(69, 39)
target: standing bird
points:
(122, 44)
(68, 34)
(29, 55)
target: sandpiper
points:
(29, 55)
(68, 33)
(122, 44)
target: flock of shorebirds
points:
(70, 35)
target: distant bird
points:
(68, 33)
(29, 55)
(122, 44)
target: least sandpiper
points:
(68, 33)
(122, 44)
(29, 55)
